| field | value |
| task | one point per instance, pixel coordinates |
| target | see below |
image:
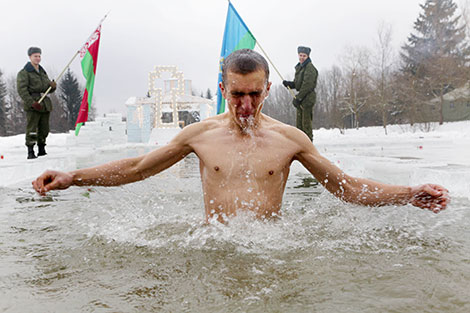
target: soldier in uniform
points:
(32, 82)
(304, 82)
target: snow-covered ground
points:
(404, 156)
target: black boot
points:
(31, 154)
(42, 149)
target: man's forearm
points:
(130, 170)
(371, 193)
(110, 174)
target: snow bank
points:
(405, 156)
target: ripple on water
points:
(145, 247)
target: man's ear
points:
(222, 89)
(268, 86)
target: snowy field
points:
(406, 155)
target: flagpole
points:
(60, 75)
(267, 57)
(70, 62)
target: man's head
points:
(244, 61)
(245, 85)
(34, 54)
(304, 53)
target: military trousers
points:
(37, 127)
(304, 119)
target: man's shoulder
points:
(211, 122)
(311, 67)
(203, 126)
(22, 75)
(290, 133)
(27, 68)
(23, 71)
(280, 127)
(197, 132)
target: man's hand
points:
(432, 197)
(288, 84)
(51, 180)
(296, 102)
(53, 84)
(36, 106)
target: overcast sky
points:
(138, 35)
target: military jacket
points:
(31, 84)
(305, 82)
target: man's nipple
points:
(216, 168)
(271, 172)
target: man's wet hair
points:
(244, 61)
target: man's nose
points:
(246, 101)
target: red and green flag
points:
(236, 36)
(89, 56)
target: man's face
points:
(245, 94)
(35, 58)
(302, 57)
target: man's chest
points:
(247, 161)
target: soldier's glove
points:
(36, 106)
(288, 84)
(296, 103)
(53, 84)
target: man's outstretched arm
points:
(121, 171)
(368, 192)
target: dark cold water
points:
(144, 247)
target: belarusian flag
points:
(89, 56)
(236, 36)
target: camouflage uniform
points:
(305, 82)
(31, 84)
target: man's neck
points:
(249, 128)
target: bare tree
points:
(16, 117)
(382, 63)
(279, 105)
(465, 9)
(356, 63)
(321, 116)
(4, 107)
(329, 97)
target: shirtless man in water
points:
(245, 156)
